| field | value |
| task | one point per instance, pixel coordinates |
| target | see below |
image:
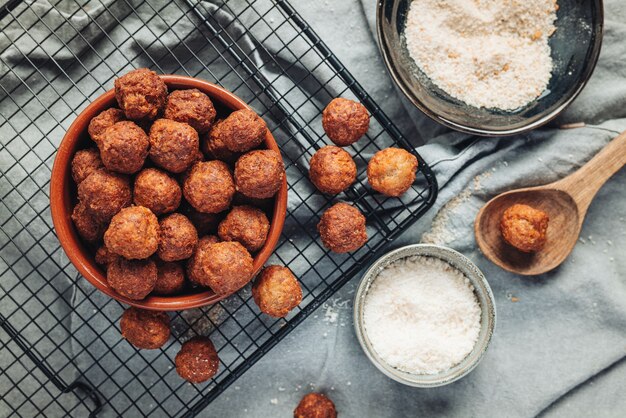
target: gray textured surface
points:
(558, 350)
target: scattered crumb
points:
(514, 299)
(274, 401)
(573, 125)
(281, 389)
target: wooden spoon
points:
(566, 202)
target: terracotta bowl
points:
(63, 198)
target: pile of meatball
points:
(332, 170)
(168, 198)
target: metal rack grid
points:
(61, 349)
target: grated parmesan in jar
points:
(421, 315)
(486, 53)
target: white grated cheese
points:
(486, 53)
(421, 315)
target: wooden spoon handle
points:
(585, 183)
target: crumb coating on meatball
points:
(133, 233)
(213, 146)
(241, 131)
(247, 225)
(194, 264)
(133, 279)
(225, 267)
(259, 174)
(191, 107)
(342, 228)
(141, 94)
(178, 238)
(392, 171)
(197, 361)
(174, 146)
(124, 147)
(157, 190)
(315, 405)
(276, 291)
(345, 121)
(104, 257)
(332, 170)
(104, 194)
(145, 329)
(524, 227)
(88, 227)
(170, 278)
(209, 187)
(85, 163)
(102, 121)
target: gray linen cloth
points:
(560, 339)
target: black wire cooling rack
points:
(60, 349)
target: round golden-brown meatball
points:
(197, 360)
(104, 257)
(276, 291)
(205, 223)
(134, 279)
(170, 278)
(225, 267)
(315, 405)
(141, 94)
(213, 146)
(133, 233)
(157, 191)
(124, 147)
(345, 121)
(392, 171)
(191, 107)
(259, 174)
(145, 329)
(209, 187)
(88, 227)
(342, 228)
(332, 170)
(104, 194)
(194, 264)
(241, 131)
(247, 225)
(178, 238)
(84, 163)
(524, 227)
(104, 120)
(174, 146)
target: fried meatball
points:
(133, 233)
(170, 278)
(205, 223)
(124, 147)
(315, 405)
(104, 120)
(191, 107)
(104, 194)
(141, 94)
(524, 227)
(194, 264)
(209, 188)
(178, 238)
(157, 191)
(88, 227)
(225, 267)
(84, 163)
(104, 257)
(134, 279)
(145, 329)
(342, 228)
(259, 174)
(345, 121)
(332, 170)
(247, 225)
(241, 131)
(197, 360)
(213, 146)
(276, 291)
(173, 145)
(392, 171)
